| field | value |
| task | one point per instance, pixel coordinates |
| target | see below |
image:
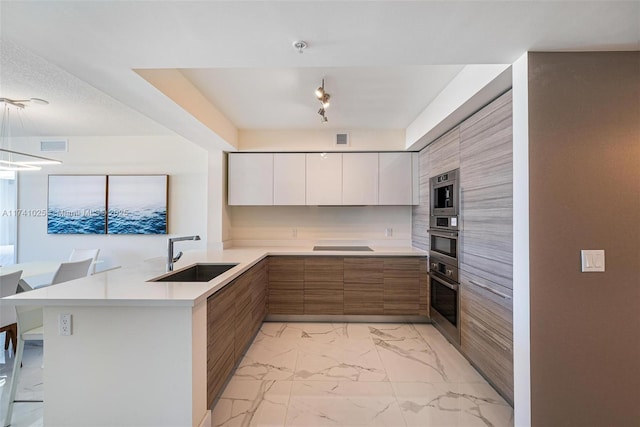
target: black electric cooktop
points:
(343, 248)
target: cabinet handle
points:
(493, 291)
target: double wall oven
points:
(443, 253)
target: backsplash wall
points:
(301, 225)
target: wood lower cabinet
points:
(402, 285)
(234, 315)
(243, 314)
(334, 285)
(286, 285)
(259, 285)
(364, 285)
(323, 285)
(220, 341)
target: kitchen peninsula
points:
(144, 353)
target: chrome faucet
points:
(170, 258)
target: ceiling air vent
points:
(54, 146)
(342, 139)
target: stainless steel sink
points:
(195, 273)
(343, 248)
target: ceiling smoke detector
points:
(300, 45)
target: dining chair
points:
(8, 287)
(30, 328)
(71, 270)
(81, 254)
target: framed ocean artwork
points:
(137, 204)
(77, 204)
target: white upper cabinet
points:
(415, 178)
(396, 179)
(316, 179)
(324, 178)
(359, 178)
(250, 179)
(289, 178)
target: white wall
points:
(122, 366)
(185, 162)
(521, 285)
(253, 225)
(320, 140)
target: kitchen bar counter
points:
(138, 350)
(129, 286)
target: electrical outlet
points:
(388, 232)
(64, 324)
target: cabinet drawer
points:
(364, 298)
(323, 269)
(404, 267)
(286, 301)
(364, 270)
(323, 297)
(286, 269)
(402, 296)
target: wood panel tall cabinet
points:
(486, 255)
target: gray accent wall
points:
(584, 159)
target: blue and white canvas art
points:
(137, 204)
(77, 204)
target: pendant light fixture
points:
(11, 160)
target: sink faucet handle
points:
(177, 257)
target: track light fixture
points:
(324, 98)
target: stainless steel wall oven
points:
(445, 200)
(443, 253)
(444, 298)
(444, 244)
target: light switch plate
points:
(592, 260)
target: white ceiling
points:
(383, 61)
(361, 97)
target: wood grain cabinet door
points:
(259, 284)
(243, 318)
(286, 285)
(487, 334)
(323, 285)
(220, 340)
(364, 285)
(486, 184)
(402, 285)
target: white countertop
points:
(129, 286)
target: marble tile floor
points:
(356, 374)
(30, 386)
(326, 374)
